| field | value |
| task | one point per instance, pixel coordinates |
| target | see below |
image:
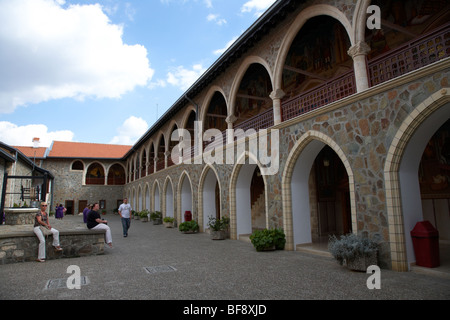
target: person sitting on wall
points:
(94, 222)
(41, 220)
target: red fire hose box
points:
(187, 216)
(426, 244)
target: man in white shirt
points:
(125, 214)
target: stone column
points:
(359, 52)
(230, 121)
(155, 162)
(276, 97)
(166, 157)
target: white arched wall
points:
(295, 187)
(168, 199)
(185, 194)
(147, 204)
(208, 192)
(408, 173)
(156, 197)
(301, 211)
(240, 197)
(243, 200)
(401, 174)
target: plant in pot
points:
(134, 214)
(354, 251)
(189, 227)
(168, 222)
(218, 227)
(156, 217)
(143, 215)
(268, 239)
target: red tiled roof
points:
(31, 152)
(62, 149)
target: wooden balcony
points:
(328, 92)
(418, 53)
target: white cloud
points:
(215, 18)
(218, 52)
(15, 135)
(257, 6)
(184, 78)
(51, 52)
(130, 131)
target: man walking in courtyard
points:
(125, 214)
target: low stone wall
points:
(23, 246)
(20, 216)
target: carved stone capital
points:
(277, 94)
(361, 48)
(231, 119)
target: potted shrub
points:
(354, 251)
(168, 222)
(156, 217)
(189, 227)
(134, 214)
(218, 227)
(143, 215)
(268, 239)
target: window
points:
(77, 165)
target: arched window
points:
(77, 165)
(116, 175)
(95, 174)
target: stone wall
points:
(69, 185)
(23, 246)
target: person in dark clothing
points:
(95, 222)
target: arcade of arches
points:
(363, 133)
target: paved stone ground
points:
(194, 267)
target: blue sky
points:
(103, 71)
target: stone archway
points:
(401, 174)
(296, 177)
(240, 196)
(209, 196)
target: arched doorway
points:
(185, 197)
(403, 199)
(434, 181)
(210, 201)
(156, 201)
(331, 212)
(244, 217)
(317, 180)
(169, 202)
(423, 175)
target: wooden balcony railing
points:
(411, 56)
(261, 121)
(328, 92)
(95, 181)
